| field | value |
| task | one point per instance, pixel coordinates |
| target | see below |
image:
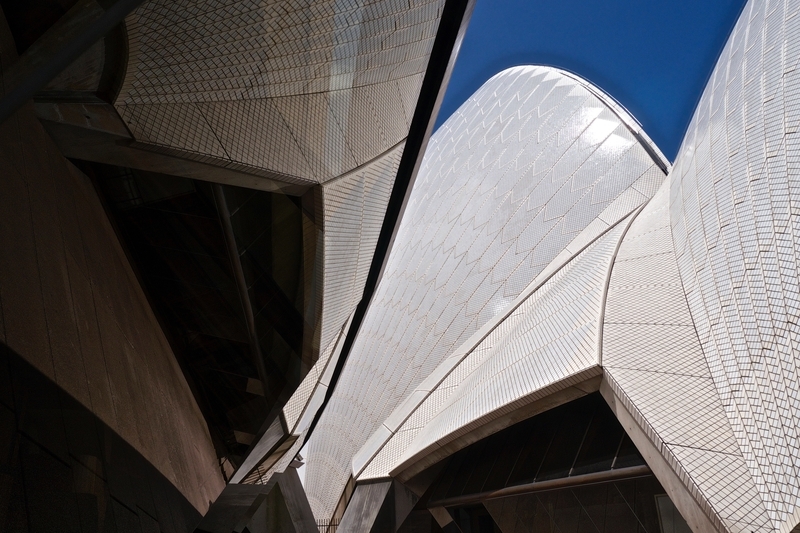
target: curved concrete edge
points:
(382, 436)
(565, 391)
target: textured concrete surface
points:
(71, 305)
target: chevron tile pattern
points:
(512, 178)
(550, 337)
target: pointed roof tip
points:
(612, 103)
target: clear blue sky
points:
(653, 56)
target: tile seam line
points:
(365, 165)
(174, 96)
(604, 298)
(527, 293)
(626, 117)
(682, 374)
(695, 283)
(674, 465)
(701, 448)
(213, 132)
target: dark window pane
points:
(445, 479)
(566, 442)
(475, 519)
(507, 453)
(628, 455)
(619, 512)
(534, 447)
(479, 474)
(567, 511)
(645, 503)
(593, 500)
(628, 506)
(600, 444)
(463, 474)
(176, 232)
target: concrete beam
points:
(676, 490)
(377, 507)
(92, 130)
(280, 506)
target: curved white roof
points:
(699, 334)
(535, 160)
(653, 361)
(305, 91)
(735, 191)
(549, 343)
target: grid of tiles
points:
(507, 183)
(734, 213)
(385, 459)
(306, 89)
(653, 356)
(354, 207)
(550, 337)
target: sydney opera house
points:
(243, 288)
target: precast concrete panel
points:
(307, 90)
